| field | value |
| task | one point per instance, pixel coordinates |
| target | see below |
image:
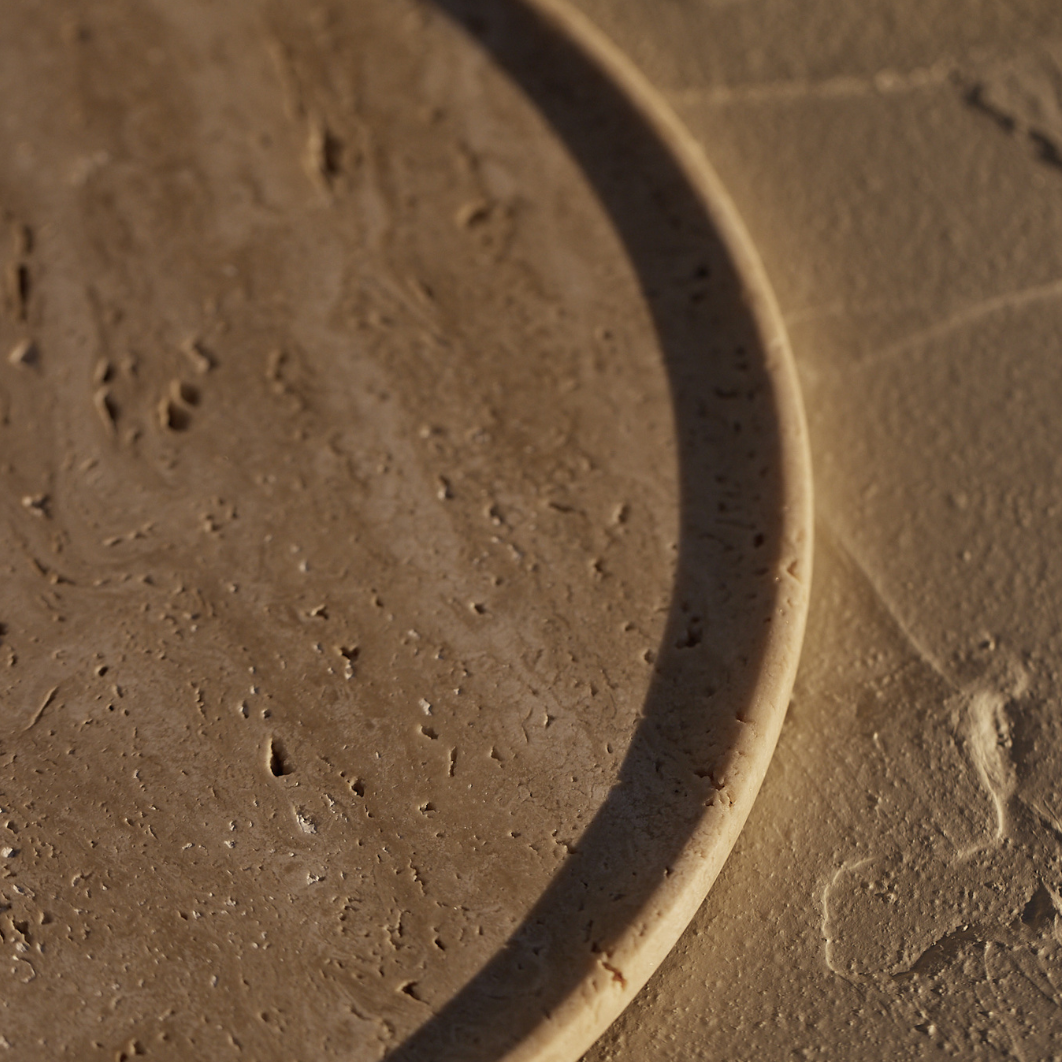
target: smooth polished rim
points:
(586, 1013)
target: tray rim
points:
(600, 997)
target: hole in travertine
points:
(324, 152)
(350, 656)
(19, 286)
(693, 635)
(184, 392)
(106, 407)
(24, 352)
(331, 154)
(277, 759)
(1039, 912)
(172, 416)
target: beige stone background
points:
(896, 890)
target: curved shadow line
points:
(730, 493)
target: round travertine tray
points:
(407, 522)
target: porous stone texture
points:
(391, 489)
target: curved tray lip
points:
(598, 1000)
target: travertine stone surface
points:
(393, 486)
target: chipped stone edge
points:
(574, 1025)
